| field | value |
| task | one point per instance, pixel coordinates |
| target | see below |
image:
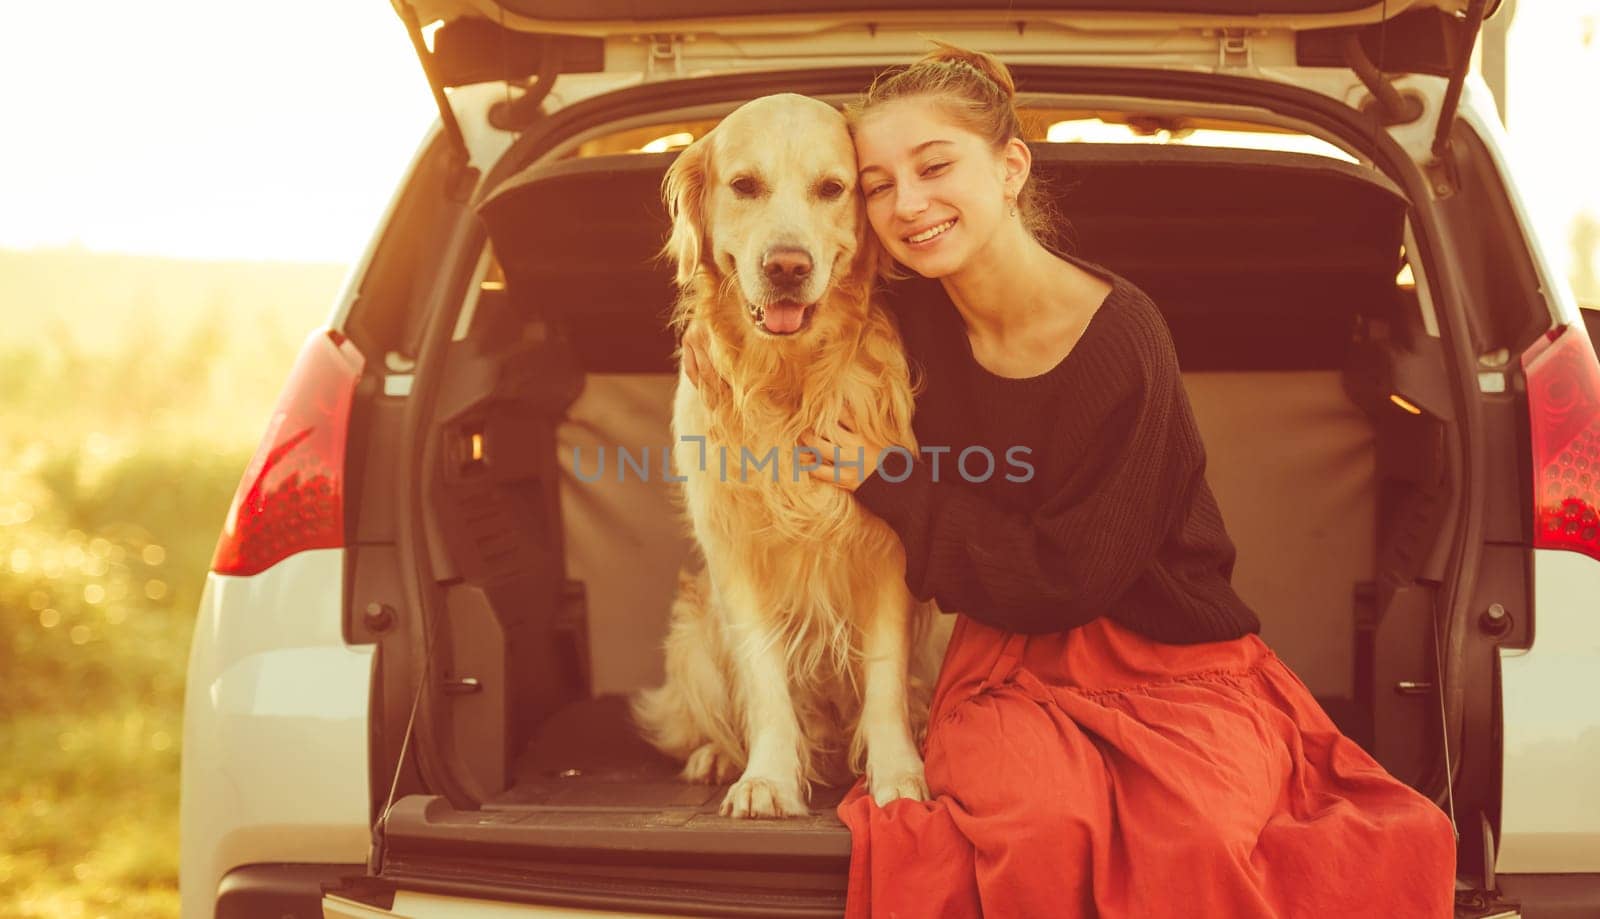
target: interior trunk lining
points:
(1249, 253)
(1289, 457)
(1263, 311)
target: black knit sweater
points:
(1096, 502)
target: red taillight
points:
(292, 495)
(1563, 379)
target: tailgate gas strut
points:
(1452, 95)
(452, 127)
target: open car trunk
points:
(1308, 358)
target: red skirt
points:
(1097, 772)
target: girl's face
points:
(935, 193)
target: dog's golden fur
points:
(796, 655)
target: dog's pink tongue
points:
(783, 317)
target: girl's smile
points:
(923, 239)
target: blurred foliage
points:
(117, 464)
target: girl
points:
(1109, 735)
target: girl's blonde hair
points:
(977, 93)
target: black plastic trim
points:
(417, 457)
(1417, 41)
(1454, 302)
(1492, 211)
(1476, 218)
(430, 826)
(479, 51)
(1553, 896)
(278, 891)
(390, 313)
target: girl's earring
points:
(1013, 207)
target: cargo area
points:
(1311, 359)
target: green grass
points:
(126, 418)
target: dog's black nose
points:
(786, 264)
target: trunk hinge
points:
(1463, 63)
(664, 58)
(1233, 49)
(452, 127)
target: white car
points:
(405, 690)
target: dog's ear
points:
(873, 263)
(684, 192)
(868, 250)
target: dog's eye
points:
(831, 189)
(745, 187)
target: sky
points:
(212, 129)
(1553, 75)
(220, 129)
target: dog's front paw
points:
(753, 796)
(890, 784)
(710, 766)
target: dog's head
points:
(765, 205)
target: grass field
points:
(132, 392)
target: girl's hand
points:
(697, 366)
(851, 446)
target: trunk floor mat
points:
(589, 755)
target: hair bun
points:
(986, 64)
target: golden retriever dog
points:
(797, 655)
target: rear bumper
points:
(275, 728)
(1550, 812)
(278, 891)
